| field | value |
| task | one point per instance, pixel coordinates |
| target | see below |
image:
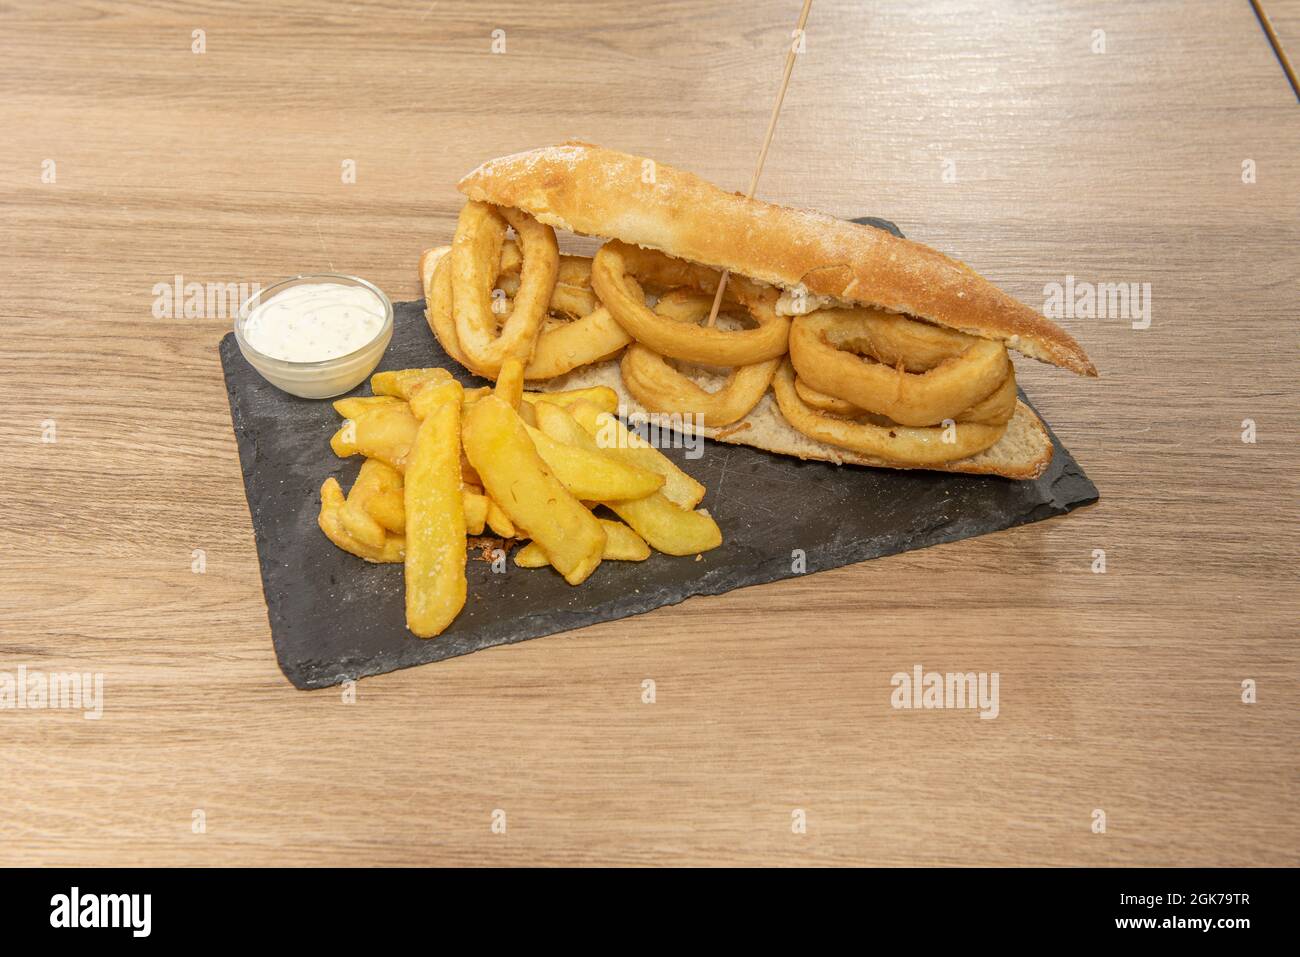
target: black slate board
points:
(335, 617)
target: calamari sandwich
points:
(835, 341)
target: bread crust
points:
(599, 192)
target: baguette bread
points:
(1023, 452)
(599, 192)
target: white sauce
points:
(315, 321)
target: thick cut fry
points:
(621, 545)
(384, 432)
(388, 508)
(357, 522)
(476, 510)
(517, 479)
(331, 500)
(588, 474)
(352, 407)
(668, 527)
(679, 488)
(403, 382)
(510, 383)
(431, 392)
(499, 521)
(435, 523)
(601, 396)
(374, 477)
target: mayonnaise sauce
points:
(315, 321)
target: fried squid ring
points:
(475, 262)
(561, 346)
(614, 274)
(661, 388)
(565, 346)
(572, 295)
(968, 371)
(438, 311)
(823, 402)
(906, 445)
(995, 410)
(592, 335)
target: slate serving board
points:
(335, 617)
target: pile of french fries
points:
(443, 462)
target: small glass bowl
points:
(327, 377)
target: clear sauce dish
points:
(315, 336)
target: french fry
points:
(343, 443)
(669, 528)
(350, 408)
(423, 395)
(510, 383)
(588, 473)
(443, 462)
(435, 522)
(403, 382)
(601, 396)
(499, 521)
(384, 432)
(476, 511)
(388, 508)
(331, 500)
(666, 526)
(621, 545)
(679, 488)
(467, 473)
(517, 479)
(355, 516)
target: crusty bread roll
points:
(598, 192)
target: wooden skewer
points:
(1276, 44)
(767, 142)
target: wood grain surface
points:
(1119, 692)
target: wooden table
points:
(1119, 691)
